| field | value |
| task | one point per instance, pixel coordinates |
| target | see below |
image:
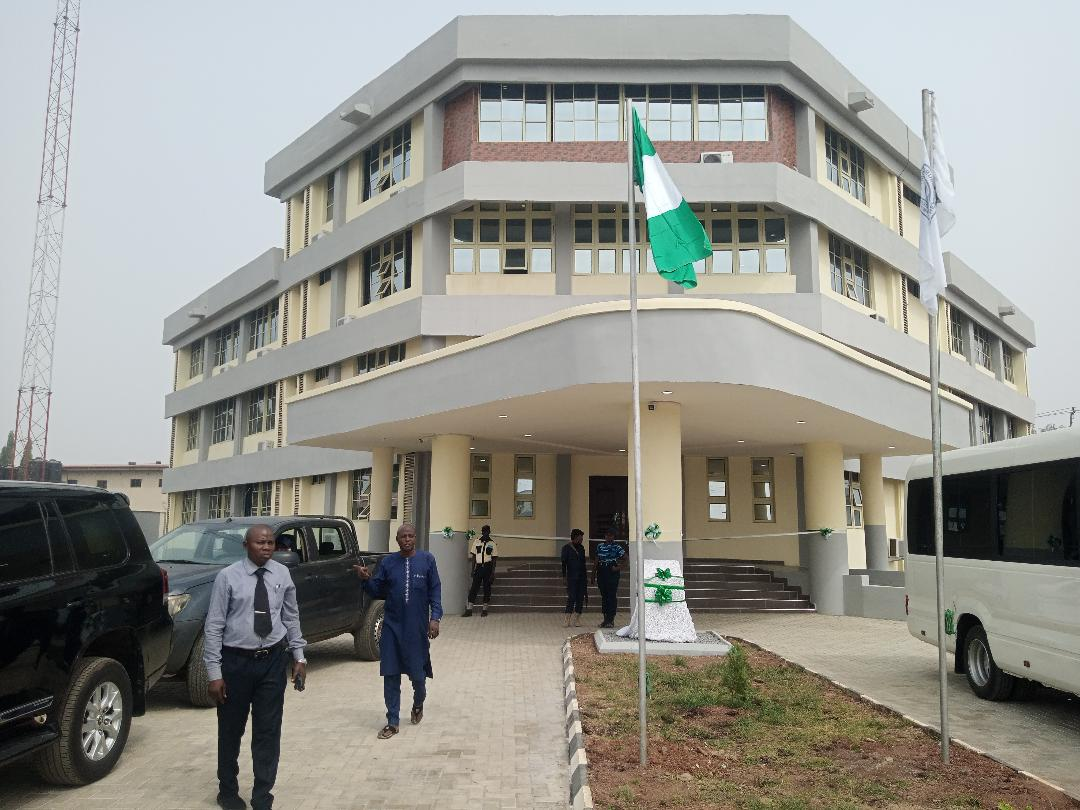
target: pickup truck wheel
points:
(983, 675)
(94, 719)
(197, 679)
(366, 636)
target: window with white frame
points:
(262, 409)
(585, 112)
(845, 164)
(508, 238)
(377, 358)
(602, 238)
(983, 354)
(195, 362)
(480, 486)
(850, 270)
(360, 489)
(984, 423)
(192, 438)
(957, 328)
(322, 373)
(666, 110)
(263, 326)
(388, 267)
(388, 161)
(513, 112)
(220, 502)
(761, 482)
(226, 343)
(222, 420)
(716, 471)
(853, 498)
(1007, 364)
(747, 238)
(328, 214)
(524, 486)
(258, 499)
(187, 506)
(732, 112)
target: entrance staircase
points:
(535, 584)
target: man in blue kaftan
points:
(409, 582)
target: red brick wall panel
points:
(461, 140)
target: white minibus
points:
(1012, 562)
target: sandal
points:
(388, 732)
(416, 715)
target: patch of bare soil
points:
(797, 742)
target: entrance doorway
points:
(608, 504)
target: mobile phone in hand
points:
(298, 683)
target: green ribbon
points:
(663, 573)
(448, 532)
(662, 594)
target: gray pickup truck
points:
(320, 552)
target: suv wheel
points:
(95, 718)
(366, 636)
(983, 675)
(197, 679)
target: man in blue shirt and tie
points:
(252, 628)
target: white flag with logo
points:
(938, 216)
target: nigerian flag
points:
(675, 233)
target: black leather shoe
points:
(231, 802)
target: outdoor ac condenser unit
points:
(265, 445)
(717, 157)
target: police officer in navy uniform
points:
(252, 630)
(606, 575)
(576, 576)
(484, 554)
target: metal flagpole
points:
(935, 438)
(635, 407)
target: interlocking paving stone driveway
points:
(882, 660)
(492, 734)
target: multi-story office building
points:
(444, 335)
(140, 483)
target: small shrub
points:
(735, 676)
(678, 661)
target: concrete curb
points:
(580, 794)
(933, 731)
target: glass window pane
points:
(763, 511)
(650, 264)
(463, 260)
(708, 131)
(718, 511)
(563, 131)
(490, 110)
(489, 131)
(24, 545)
(721, 232)
(749, 261)
(762, 489)
(583, 262)
(481, 486)
(536, 92)
(731, 130)
(718, 489)
(659, 130)
(754, 131)
(748, 231)
(536, 132)
(478, 509)
(510, 131)
(583, 231)
(606, 231)
(536, 112)
(515, 261)
(489, 260)
(775, 230)
(540, 260)
(523, 509)
(606, 261)
(776, 260)
(717, 468)
(762, 466)
(607, 131)
(513, 109)
(515, 230)
(753, 110)
(463, 230)
(481, 464)
(584, 131)
(489, 230)
(541, 230)
(681, 131)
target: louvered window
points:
(388, 267)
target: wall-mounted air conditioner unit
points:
(267, 445)
(877, 316)
(717, 157)
(317, 236)
(261, 352)
(344, 319)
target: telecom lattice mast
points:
(35, 384)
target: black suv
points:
(84, 627)
(320, 552)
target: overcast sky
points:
(178, 106)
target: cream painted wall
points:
(145, 498)
(856, 547)
(735, 284)
(912, 222)
(250, 444)
(596, 284)
(220, 450)
(497, 283)
(502, 520)
(733, 539)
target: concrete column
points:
(562, 496)
(661, 479)
(207, 357)
(434, 254)
(449, 506)
(969, 341)
(997, 358)
(341, 194)
(237, 504)
(800, 500)
(382, 474)
(244, 340)
(564, 249)
(803, 258)
(433, 139)
(337, 291)
(873, 495)
(1000, 420)
(806, 141)
(202, 504)
(330, 494)
(206, 426)
(823, 464)
(421, 506)
(239, 423)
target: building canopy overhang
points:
(748, 381)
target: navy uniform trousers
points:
(256, 685)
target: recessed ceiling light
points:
(472, 448)
(740, 441)
(528, 435)
(667, 393)
(800, 421)
(504, 416)
(791, 454)
(892, 446)
(622, 451)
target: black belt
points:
(259, 653)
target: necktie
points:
(263, 625)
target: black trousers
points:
(481, 576)
(607, 578)
(575, 594)
(256, 685)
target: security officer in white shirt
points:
(484, 554)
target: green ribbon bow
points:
(663, 573)
(662, 594)
(652, 531)
(448, 532)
